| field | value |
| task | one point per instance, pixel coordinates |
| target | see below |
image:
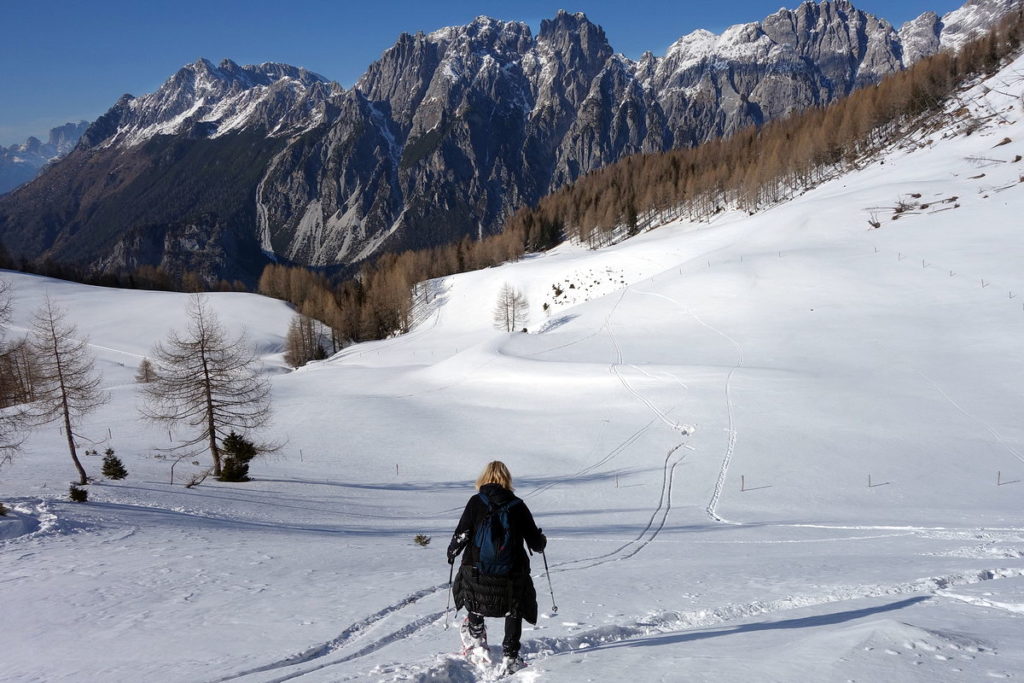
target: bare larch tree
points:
(67, 386)
(207, 381)
(511, 310)
(303, 342)
(13, 391)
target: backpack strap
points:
(491, 507)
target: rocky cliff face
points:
(444, 136)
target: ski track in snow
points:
(712, 506)
(661, 512)
(998, 437)
(353, 632)
(653, 527)
(629, 441)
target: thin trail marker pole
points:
(554, 607)
(447, 607)
(743, 483)
(999, 478)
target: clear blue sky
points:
(64, 60)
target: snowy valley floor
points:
(693, 422)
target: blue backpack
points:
(493, 539)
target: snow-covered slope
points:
(777, 447)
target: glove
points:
(455, 547)
(542, 543)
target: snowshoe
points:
(474, 645)
(510, 665)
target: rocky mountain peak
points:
(581, 42)
(447, 133)
(205, 100)
(971, 20)
(920, 37)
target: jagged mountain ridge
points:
(21, 163)
(443, 136)
(203, 100)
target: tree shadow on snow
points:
(555, 323)
(398, 486)
(182, 518)
(545, 483)
(799, 622)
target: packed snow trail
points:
(670, 621)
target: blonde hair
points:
(495, 473)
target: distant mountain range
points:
(227, 167)
(21, 163)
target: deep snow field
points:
(693, 423)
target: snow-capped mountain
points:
(203, 100)
(776, 447)
(972, 20)
(21, 163)
(444, 136)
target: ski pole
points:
(451, 572)
(554, 607)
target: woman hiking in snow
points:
(494, 579)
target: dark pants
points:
(513, 632)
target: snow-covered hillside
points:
(694, 421)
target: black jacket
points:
(496, 596)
